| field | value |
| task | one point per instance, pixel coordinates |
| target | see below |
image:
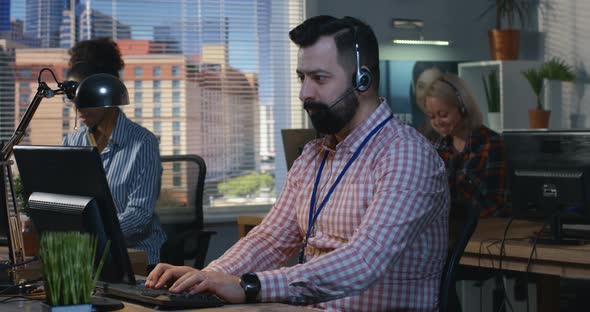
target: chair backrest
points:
(447, 293)
(180, 208)
(181, 194)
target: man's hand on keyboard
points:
(225, 286)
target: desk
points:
(483, 250)
(551, 262)
(35, 306)
(246, 223)
(556, 260)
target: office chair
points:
(180, 207)
(448, 299)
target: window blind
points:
(564, 26)
(209, 77)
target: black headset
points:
(462, 106)
(361, 79)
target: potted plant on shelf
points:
(505, 42)
(491, 85)
(68, 270)
(554, 69)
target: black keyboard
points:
(160, 298)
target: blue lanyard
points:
(313, 213)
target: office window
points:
(138, 98)
(176, 126)
(175, 71)
(157, 71)
(176, 112)
(177, 181)
(176, 97)
(25, 73)
(176, 167)
(176, 139)
(220, 72)
(157, 98)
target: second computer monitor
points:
(549, 175)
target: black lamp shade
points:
(101, 90)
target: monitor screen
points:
(548, 175)
(68, 191)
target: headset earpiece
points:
(461, 104)
(361, 79)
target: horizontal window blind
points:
(212, 78)
(564, 27)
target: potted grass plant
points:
(68, 270)
(554, 69)
(491, 85)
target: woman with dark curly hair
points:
(129, 152)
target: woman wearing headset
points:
(473, 154)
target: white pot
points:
(495, 122)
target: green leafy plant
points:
(554, 69)
(491, 86)
(508, 10)
(68, 267)
(246, 185)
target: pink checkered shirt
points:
(380, 242)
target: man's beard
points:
(331, 119)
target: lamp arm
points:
(43, 91)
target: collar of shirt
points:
(357, 135)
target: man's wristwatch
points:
(251, 286)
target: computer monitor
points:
(68, 191)
(548, 175)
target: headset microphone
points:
(342, 97)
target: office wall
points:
(455, 20)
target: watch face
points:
(251, 285)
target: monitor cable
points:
(10, 266)
(534, 251)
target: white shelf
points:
(516, 95)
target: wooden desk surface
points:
(19, 305)
(483, 250)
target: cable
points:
(10, 266)
(20, 285)
(502, 254)
(533, 251)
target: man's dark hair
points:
(95, 56)
(343, 30)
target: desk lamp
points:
(98, 90)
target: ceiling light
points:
(415, 25)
